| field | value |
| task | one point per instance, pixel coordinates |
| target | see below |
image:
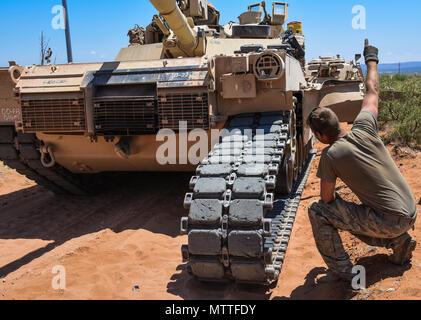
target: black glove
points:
(370, 53)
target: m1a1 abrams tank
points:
(336, 82)
(187, 74)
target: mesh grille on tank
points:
(125, 116)
(53, 115)
(191, 107)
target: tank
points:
(243, 88)
(338, 85)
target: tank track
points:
(20, 151)
(236, 229)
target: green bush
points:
(400, 109)
(400, 77)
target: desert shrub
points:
(400, 109)
(400, 77)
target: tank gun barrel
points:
(186, 37)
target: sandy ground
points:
(125, 244)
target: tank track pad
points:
(236, 229)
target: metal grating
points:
(53, 115)
(267, 67)
(190, 107)
(125, 116)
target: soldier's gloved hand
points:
(370, 53)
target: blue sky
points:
(99, 27)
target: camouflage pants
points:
(375, 229)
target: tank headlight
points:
(269, 66)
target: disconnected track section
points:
(236, 228)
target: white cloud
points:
(93, 52)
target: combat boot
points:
(402, 250)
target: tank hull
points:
(81, 111)
(149, 153)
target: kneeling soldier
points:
(360, 159)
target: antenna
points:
(45, 49)
(67, 30)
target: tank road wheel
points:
(288, 173)
(285, 178)
(294, 145)
(296, 161)
(300, 153)
(308, 148)
(306, 152)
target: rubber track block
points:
(221, 170)
(207, 268)
(247, 244)
(248, 271)
(205, 242)
(204, 212)
(246, 213)
(246, 188)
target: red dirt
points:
(129, 236)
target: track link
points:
(21, 152)
(236, 229)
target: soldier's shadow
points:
(377, 269)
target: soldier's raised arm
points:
(371, 101)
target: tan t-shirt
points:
(363, 163)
